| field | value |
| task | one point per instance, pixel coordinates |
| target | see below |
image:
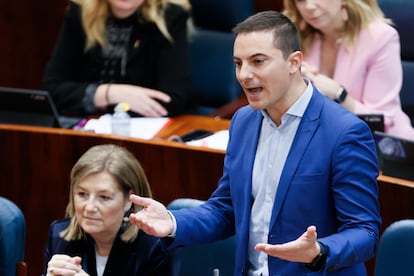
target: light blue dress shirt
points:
(272, 151)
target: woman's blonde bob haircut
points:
(360, 14)
(125, 169)
(95, 14)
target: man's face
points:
(261, 70)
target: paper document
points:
(217, 140)
(141, 127)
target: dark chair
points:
(12, 239)
(203, 260)
(401, 13)
(211, 49)
(396, 250)
(213, 71)
(220, 15)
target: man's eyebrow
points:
(252, 56)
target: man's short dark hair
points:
(285, 33)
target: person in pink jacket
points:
(352, 55)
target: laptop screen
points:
(27, 107)
(374, 121)
(396, 155)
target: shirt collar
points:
(298, 108)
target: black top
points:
(142, 257)
(148, 60)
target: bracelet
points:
(341, 95)
(320, 260)
(107, 93)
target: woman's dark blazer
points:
(152, 62)
(141, 257)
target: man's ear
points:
(295, 61)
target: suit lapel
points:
(304, 134)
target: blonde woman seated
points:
(352, 55)
(97, 238)
(111, 51)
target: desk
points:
(35, 164)
(396, 199)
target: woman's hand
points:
(325, 84)
(64, 265)
(141, 100)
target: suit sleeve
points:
(64, 76)
(355, 197)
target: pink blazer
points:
(371, 71)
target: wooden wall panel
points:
(28, 32)
(262, 5)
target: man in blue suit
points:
(299, 186)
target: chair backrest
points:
(396, 250)
(401, 13)
(211, 49)
(220, 15)
(12, 236)
(213, 71)
(202, 260)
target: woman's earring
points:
(125, 219)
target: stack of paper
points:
(218, 140)
(141, 127)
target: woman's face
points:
(124, 8)
(321, 14)
(100, 205)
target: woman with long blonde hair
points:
(352, 55)
(112, 51)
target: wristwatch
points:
(341, 95)
(319, 261)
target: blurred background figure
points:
(96, 237)
(111, 51)
(352, 55)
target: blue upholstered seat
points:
(211, 49)
(220, 15)
(396, 250)
(213, 70)
(202, 260)
(12, 236)
(401, 13)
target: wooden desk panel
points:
(396, 199)
(186, 123)
(35, 164)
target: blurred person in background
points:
(352, 55)
(112, 51)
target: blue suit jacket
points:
(329, 180)
(143, 256)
